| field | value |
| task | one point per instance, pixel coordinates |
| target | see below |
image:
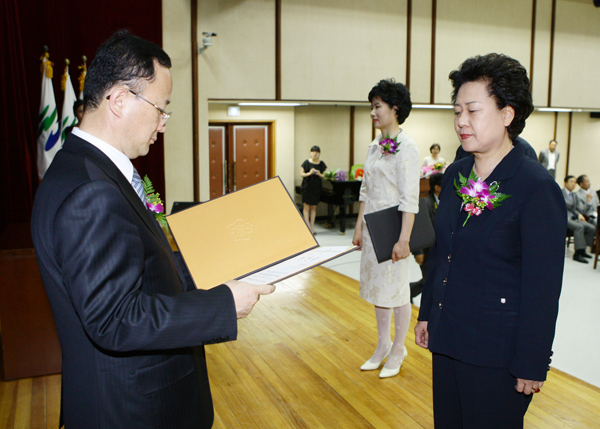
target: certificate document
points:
(297, 264)
(244, 232)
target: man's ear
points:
(117, 100)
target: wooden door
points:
(238, 156)
(249, 155)
(218, 163)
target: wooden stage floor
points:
(296, 365)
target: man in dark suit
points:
(549, 158)
(583, 231)
(126, 312)
(430, 205)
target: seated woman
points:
(434, 158)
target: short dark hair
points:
(435, 180)
(506, 81)
(78, 103)
(393, 94)
(434, 145)
(552, 141)
(569, 177)
(581, 178)
(315, 149)
(123, 59)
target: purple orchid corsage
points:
(477, 195)
(388, 146)
(154, 203)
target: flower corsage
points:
(477, 195)
(154, 203)
(389, 146)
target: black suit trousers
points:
(472, 397)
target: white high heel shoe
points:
(386, 372)
(370, 366)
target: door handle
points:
(234, 177)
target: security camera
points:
(206, 41)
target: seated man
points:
(587, 199)
(583, 232)
(431, 202)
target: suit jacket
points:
(544, 154)
(575, 207)
(491, 295)
(588, 209)
(125, 319)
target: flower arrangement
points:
(388, 146)
(477, 195)
(438, 167)
(357, 172)
(154, 203)
(338, 175)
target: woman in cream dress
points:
(389, 180)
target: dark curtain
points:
(70, 29)
(18, 174)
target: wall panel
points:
(241, 62)
(338, 49)
(540, 77)
(576, 55)
(179, 171)
(420, 61)
(585, 148)
(474, 27)
(327, 127)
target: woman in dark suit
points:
(490, 302)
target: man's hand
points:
(245, 295)
(422, 334)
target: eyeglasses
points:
(165, 115)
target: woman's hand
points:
(357, 239)
(527, 386)
(421, 334)
(401, 250)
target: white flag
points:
(68, 116)
(48, 133)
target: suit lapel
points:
(95, 155)
(456, 202)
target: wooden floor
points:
(296, 365)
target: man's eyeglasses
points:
(165, 115)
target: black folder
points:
(385, 225)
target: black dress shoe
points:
(586, 255)
(577, 257)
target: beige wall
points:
(478, 27)
(241, 62)
(585, 148)
(336, 50)
(576, 53)
(178, 135)
(327, 127)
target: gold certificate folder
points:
(240, 233)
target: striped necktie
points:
(136, 182)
